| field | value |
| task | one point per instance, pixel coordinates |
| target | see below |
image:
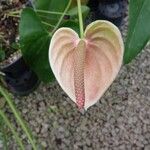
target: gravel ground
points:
(119, 121)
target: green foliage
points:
(50, 5)
(35, 43)
(51, 11)
(74, 25)
(3, 134)
(139, 28)
(2, 55)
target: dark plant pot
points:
(109, 1)
(29, 3)
(111, 10)
(93, 4)
(19, 78)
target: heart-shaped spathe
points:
(85, 68)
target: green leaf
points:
(139, 28)
(34, 40)
(71, 24)
(74, 11)
(52, 6)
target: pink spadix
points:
(85, 68)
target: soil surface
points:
(9, 25)
(119, 121)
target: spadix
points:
(85, 68)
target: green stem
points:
(17, 12)
(2, 74)
(49, 12)
(48, 24)
(6, 120)
(80, 19)
(62, 16)
(11, 15)
(17, 115)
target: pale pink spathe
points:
(85, 68)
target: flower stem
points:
(80, 19)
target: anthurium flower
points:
(85, 68)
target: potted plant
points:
(18, 76)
